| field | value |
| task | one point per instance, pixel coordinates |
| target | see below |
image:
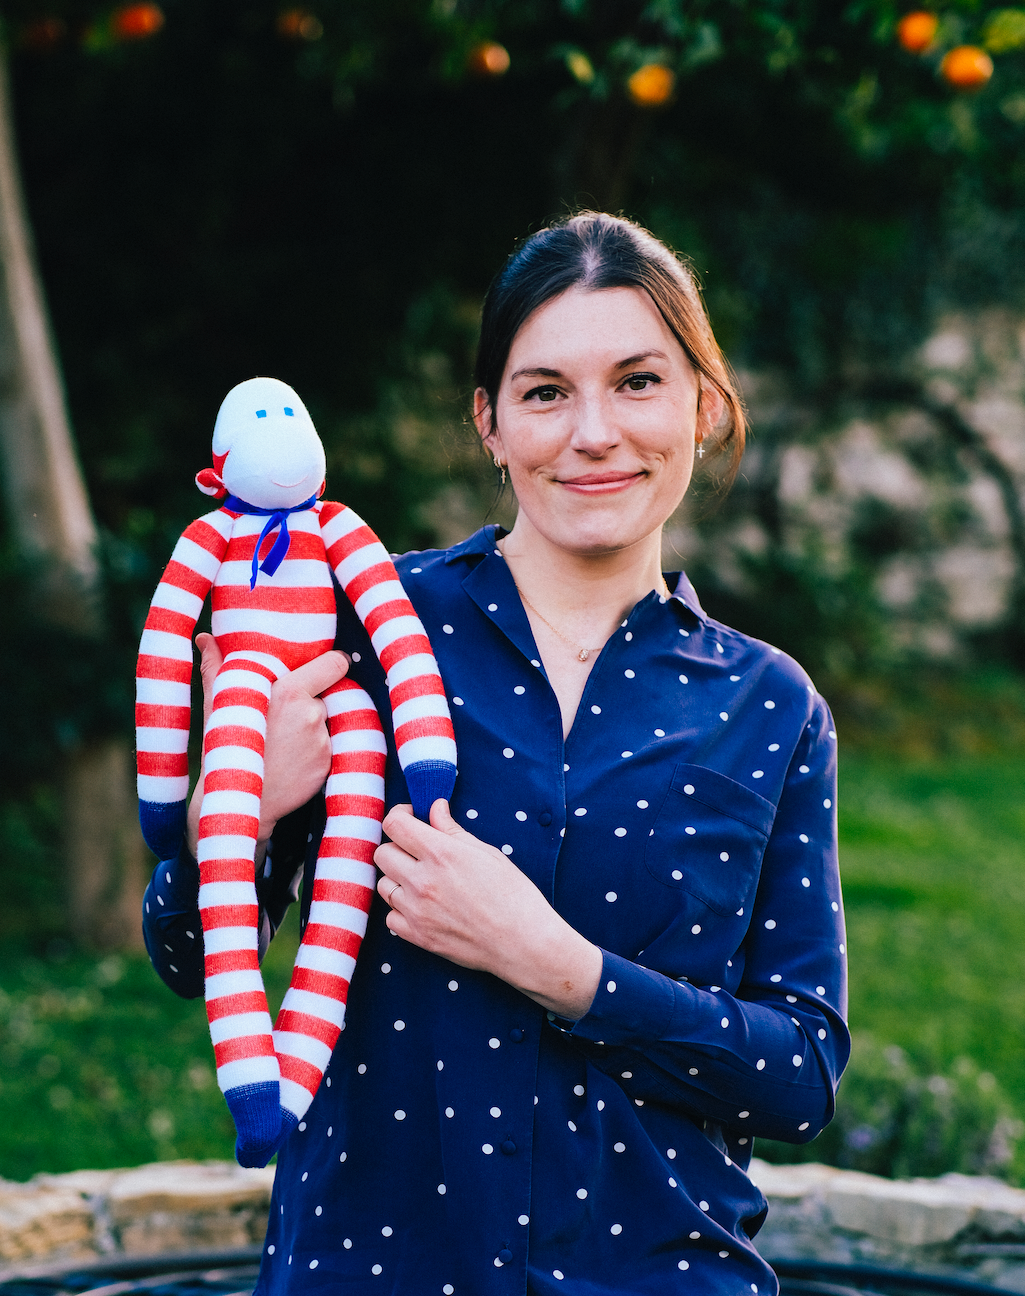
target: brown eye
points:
(641, 382)
(547, 393)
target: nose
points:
(595, 432)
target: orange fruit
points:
(300, 24)
(916, 31)
(651, 85)
(967, 67)
(136, 21)
(489, 59)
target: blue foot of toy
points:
(163, 826)
(262, 1123)
(427, 781)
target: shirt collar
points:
(686, 594)
(485, 540)
(481, 542)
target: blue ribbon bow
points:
(275, 518)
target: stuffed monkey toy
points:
(271, 553)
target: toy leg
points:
(236, 1004)
(313, 1011)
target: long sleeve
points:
(765, 1058)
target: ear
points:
(484, 420)
(209, 482)
(321, 488)
(711, 404)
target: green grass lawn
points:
(103, 1066)
(933, 861)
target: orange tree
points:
(261, 182)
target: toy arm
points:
(163, 681)
(424, 736)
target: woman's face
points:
(596, 418)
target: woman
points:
(617, 956)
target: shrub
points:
(902, 1121)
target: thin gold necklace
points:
(582, 653)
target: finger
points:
(441, 819)
(397, 924)
(210, 661)
(321, 673)
(386, 888)
(394, 862)
(392, 818)
(403, 827)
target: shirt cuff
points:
(632, 1005)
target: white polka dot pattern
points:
(703, 848)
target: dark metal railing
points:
(201, 1273)
(822, 1278)
(234, 1273)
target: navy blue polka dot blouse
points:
(466, 1141)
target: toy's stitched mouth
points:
(289, 485)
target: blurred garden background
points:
(322, 194)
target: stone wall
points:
(168, 1206)
(959, 1223)
(920, 485)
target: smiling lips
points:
(605, 483)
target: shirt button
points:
(509, 1147)
(505, 1255)
(544, 818)
(516, 1035)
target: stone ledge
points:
(152, 1209)
(959, 1222)
(962, 1222)
(38, 1221)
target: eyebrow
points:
(536, 373)
(541, 372)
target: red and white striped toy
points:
(268, 554)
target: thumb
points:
(210, 662)
(441, 819)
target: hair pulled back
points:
(593, 250)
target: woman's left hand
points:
(456, 896)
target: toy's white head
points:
(266, 448)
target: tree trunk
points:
(51, 520)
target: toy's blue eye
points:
(261, 413)
(289, 412)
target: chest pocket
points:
(709, 837)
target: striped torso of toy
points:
(266, 624)
(289, 616)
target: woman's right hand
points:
(297, 753)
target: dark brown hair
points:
(593, 250)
